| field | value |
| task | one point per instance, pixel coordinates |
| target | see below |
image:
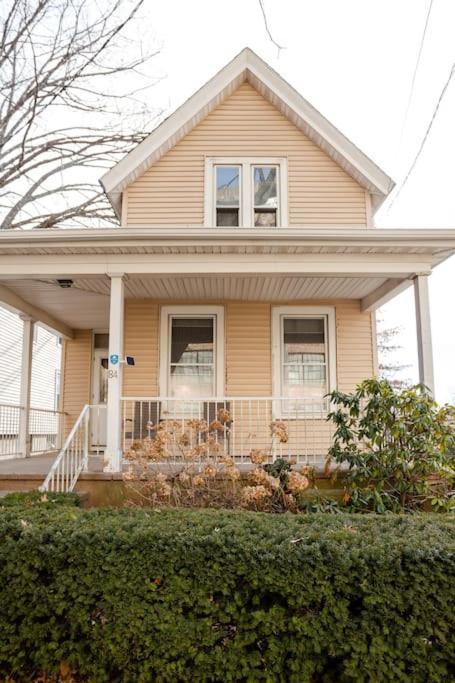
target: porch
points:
(87, 283)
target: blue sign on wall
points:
(114, 359)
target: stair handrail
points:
(72, 459)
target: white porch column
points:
(114, 408)
(26, 382)
(423, 323)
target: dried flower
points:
(210, 471)
(257, 456)
(183, 439)
(279, 429)
(233, 473)
(297, 483)
(216, 426)
(255, 496)
(198, 480)
(227, 461)
(259, 477)
(224, 415)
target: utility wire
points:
(416, 68)
(427, 133)
(266, 24)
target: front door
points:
(99, 399)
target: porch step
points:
(95, 462)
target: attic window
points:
(246, 193)
(228, 195)
(265, 189)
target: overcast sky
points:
(354, 61)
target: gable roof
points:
(247, 66)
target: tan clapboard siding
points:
(248, 349)
(355, 348)
(141, 341)
(77, 362)
(248, 346)
(172, 191)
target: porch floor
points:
(37, 466)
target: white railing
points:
(9, 431)
(254, 424)
(73, 457)
(45, 431)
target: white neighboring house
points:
(44, 388)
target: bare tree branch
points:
(70, 81)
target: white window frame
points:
(278, 315)
(246, 208)
(167, 313)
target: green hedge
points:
(39, 499)
(136, 595)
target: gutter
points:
(188, 235)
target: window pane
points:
(227, 185)
(303, 338)
(191, 372)
(190, 337)
(227, 218)
(304, 361)
(265, 219)
(265, 187)
(191, 381)
(309, 374)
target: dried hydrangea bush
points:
(184, 464)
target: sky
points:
(354, 61)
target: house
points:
(244, 275)
(44, 386)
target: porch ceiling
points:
(86, 304)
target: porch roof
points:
(193, 263)
(184, 239)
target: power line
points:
(427, 133)
(266, 24)
(416, 68)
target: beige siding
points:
(248, 368)
(355, 350)
(141, 341)
(77, 365)
(172, 191)
(248, 349)
(248, 346)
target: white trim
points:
(246, 66)
(25, 385)
(369, 216)
(384, 293)
(114, 413)
(182, 310)
(278, 312)
(423, 327)
(246, 207)
(437, 238)
(124, 214)
(316, 264)
(16, 304)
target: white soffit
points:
(247, 66)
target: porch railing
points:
(45, 430)
(73, 457)
(254, 423)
